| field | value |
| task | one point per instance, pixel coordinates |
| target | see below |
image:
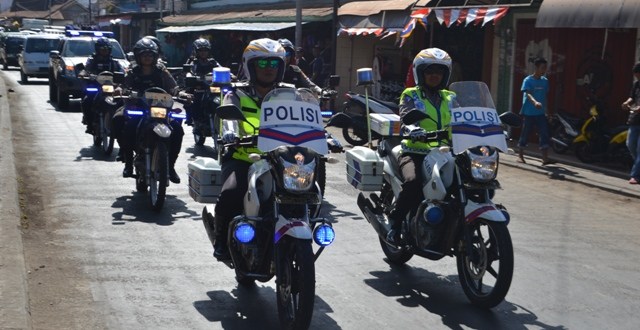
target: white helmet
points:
(428, 57)
(264, 48)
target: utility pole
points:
(334, 38)
(298, 23)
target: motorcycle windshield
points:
(156, 99)
(291, 117)
(474, 119)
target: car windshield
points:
(34, 45)
(13, 44)
(85, 47)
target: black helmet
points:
(201, 43)
(287, 45)
(145, 45)
(102, 42)
(156, 41)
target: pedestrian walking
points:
(632, 104)
(534, 110)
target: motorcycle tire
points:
(484, 284)
(353, 137)
(559, 134)
(159, 176)
(583, 152)
(24, 79)
(141, 186)
(295, 284)
(62, 98)
(107, 141)
(322, 176)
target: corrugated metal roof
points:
(248, 15)
(588, 14)
(247, 26)
(372, 7)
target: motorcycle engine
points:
(425, 231)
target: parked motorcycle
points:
(457, 216)
(597, 143)
(564, 129)
(355, 131)
(273, 236)
(151, 161)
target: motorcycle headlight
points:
(483, 163)
(214, 89)
(157, 112)
(107, 88)
(298, 176)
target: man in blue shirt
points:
(534, 108)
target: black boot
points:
(173, 175)
(128, 165)
(221, 252)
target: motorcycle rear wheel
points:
(353, 137)
(159, 176)
(490, 242)
(559, 134)
(295, 287)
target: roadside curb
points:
(610, 181)
(14, 301)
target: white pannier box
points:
(386, 124)
(364, 169)
(205, 180)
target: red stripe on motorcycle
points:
(476, 213)
(285, 229)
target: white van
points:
(34, 58)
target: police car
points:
(75, 48)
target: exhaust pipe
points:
(376, 220)
(564, 144)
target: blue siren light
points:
(324, 235)
(244, 232)
(92, 89)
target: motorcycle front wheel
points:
(485, 263)
(353, 136)
(295, 284)
(583, 152)
(159, 176)
(107, 140)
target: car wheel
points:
(63, 99)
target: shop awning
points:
(247, 14)
(589, 14)
(380, 24)
(229, 27)
(372, 7)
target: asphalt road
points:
(97, 258)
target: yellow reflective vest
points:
(439, 118)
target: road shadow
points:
(136, 207)
(255, 307)
(443, 295)
(95, 153)
(333, 214)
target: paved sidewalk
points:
(14, 308)
(608, 177)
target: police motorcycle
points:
(280, 221)
(99, 88)
(457, 216)
(151, 161)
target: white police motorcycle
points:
(274, 235)
(457, 216)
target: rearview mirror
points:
(186, 68)
(334, 81)
(511, 119)
(230, 112)
(190, 81)
(340, 120)
(118, 77)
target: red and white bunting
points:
(466, 16)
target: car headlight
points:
(298, 176)
(157, 112)
(483, 163)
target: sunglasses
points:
(263, 64)
(434, 71)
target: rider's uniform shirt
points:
(440, 114)
(202, 67)
(96, 65)
(160, 77)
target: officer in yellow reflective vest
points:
(431, 71)
(263, 65)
